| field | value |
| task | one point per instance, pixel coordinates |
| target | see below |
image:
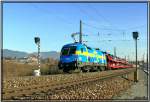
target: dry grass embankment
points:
(15, 69)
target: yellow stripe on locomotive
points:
(81, 53)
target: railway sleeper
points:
(70, 84)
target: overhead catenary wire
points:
(140, 26)
(97, 13)
(106, 20)
(109, 40)
(99, 28)
(86, 13)
(100, 15)
(124, 31)
(89, 25)
(68, 22)
(48, 12)
(121, 30)
(97, 20)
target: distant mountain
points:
(52, 54)
(20, 54)
(11, 53)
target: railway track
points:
(54, 87)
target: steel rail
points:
(23, 92)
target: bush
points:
(53, 69)
(50, 69)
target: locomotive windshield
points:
(69, 50)
(72, 50)
(65, 51)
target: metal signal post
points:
(135, 36)
(37, 41)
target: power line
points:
(48, 12)
(106, 20)
(86, 13)
(97, 12)
(111, 40)
(98, 28)
(123, 31)
(116, 40)
(140, 26)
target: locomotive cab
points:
(69, 57)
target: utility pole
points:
(143, 57)
(135, 36)
(143, 61)
(125, 57)
(80, 39)
(98, 34)
(128, 58)
(115, 51)
(123, 35)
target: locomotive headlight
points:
(80, 58)
(76, 59)
(61, 65)
(75, 64)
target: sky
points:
(55, 22)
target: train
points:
(86, 59)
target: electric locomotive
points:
(80, 56)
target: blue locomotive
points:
(80, 56)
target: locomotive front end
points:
(68, 58)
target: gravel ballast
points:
(138, 90)
(98, 90)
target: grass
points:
(14, 69)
